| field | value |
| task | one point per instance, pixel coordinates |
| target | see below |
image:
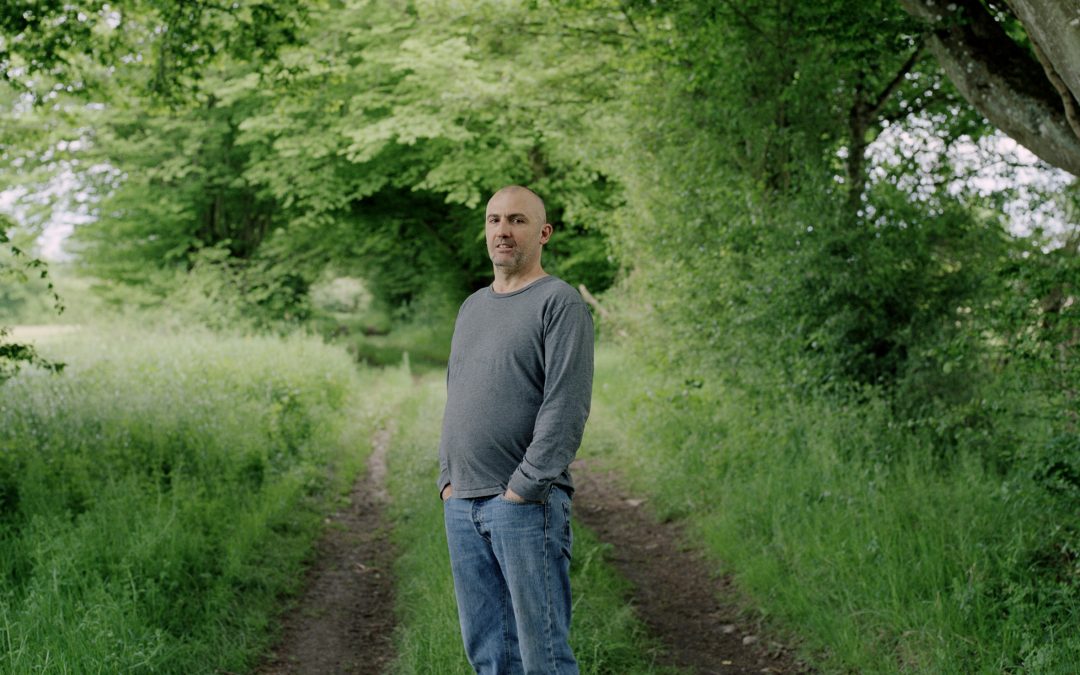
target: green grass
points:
(851, 532)
(159, 497)
(425, 346)
(606, 636)
(375, 338)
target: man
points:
(519, 385)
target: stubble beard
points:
(515, 262)
(508, 265)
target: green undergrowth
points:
(158, 498)
(606, 636)
(851, 531)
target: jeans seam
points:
(548, 562)
(507, 618)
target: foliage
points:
(879, 299)
(14, 266)
(761, 230)
(366, 149)
(168, 42)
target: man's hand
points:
(447, 492)
(512, 496)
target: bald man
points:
(519, 386)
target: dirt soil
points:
(695, 614)
(344, 619)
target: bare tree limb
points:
(892, 86)
(591, 299)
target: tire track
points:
(695, 614)
(344, 620)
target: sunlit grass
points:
(158, 497)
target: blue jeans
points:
(511, 566)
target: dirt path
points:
(675, 593)
(344, 621)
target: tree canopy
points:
(726, 158)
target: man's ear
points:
(545, 233)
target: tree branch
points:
(892, 86)
(1000, 78)
(1072, 114)
(1053, 26)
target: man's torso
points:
(496, 382)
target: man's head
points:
(516, 230)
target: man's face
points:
(515, 230)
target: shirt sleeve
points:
(560, 422)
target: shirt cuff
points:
(528, 489)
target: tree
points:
(764, 239)
(368, 146)
(438, 104)
(161, 46)
(1018, 63)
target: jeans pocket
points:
(502, 498)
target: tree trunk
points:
(1053, 26)
(1001, 79)
(864, 112)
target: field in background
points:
(42, 332)
(340, 309)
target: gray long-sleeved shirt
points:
(519, 386)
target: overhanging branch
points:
(1001, 79)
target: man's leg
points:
(484, 609)
(532, 543)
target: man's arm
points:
(560, 422)
(444, 474)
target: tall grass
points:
(158, 497)
(606, 636)
(853, 532)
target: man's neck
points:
(508, 283)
